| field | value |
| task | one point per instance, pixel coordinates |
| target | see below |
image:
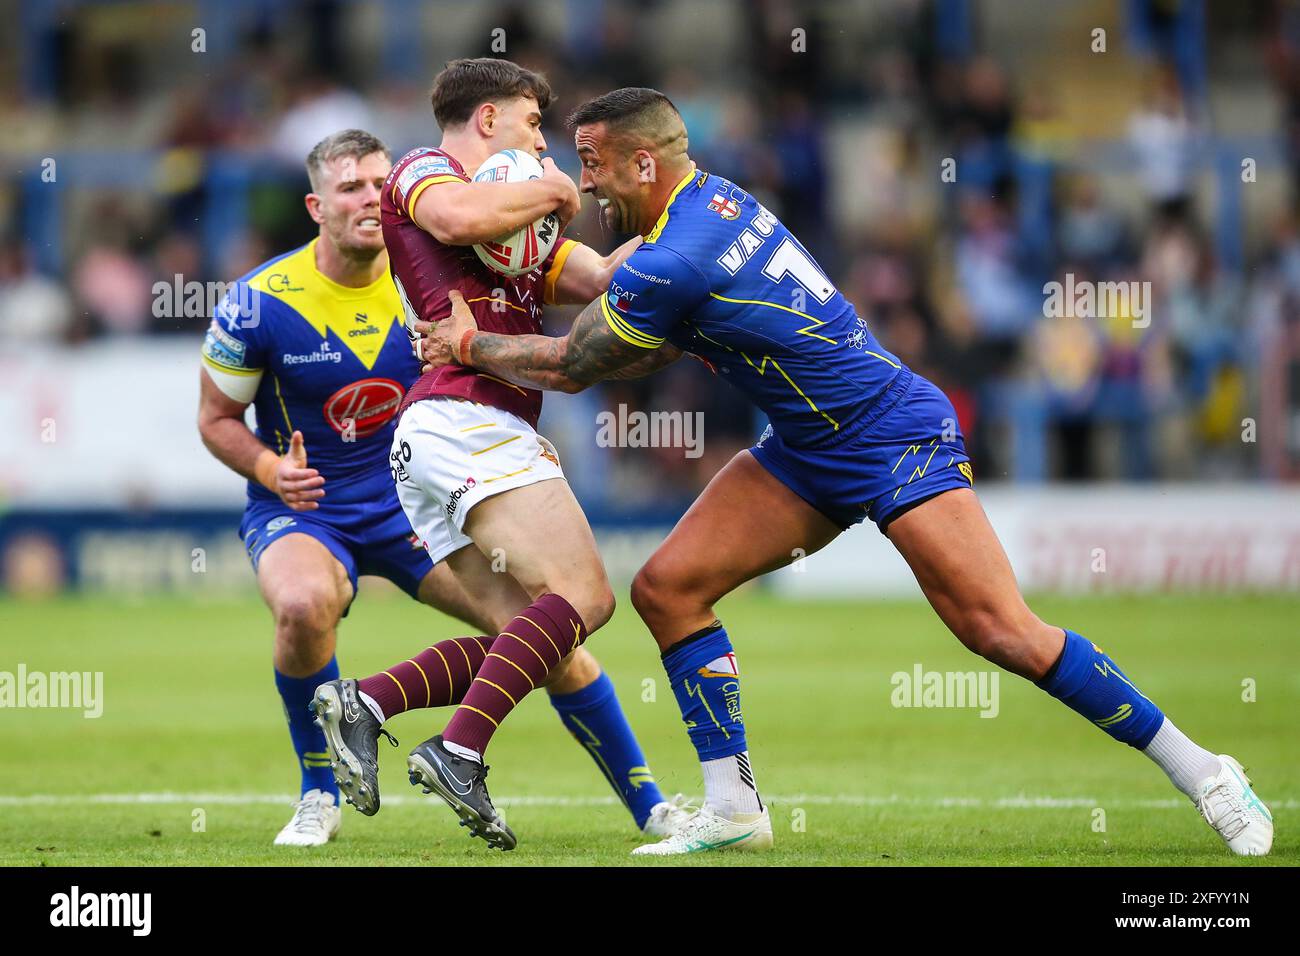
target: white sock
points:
(465, 752)
(373, 705)
(1184, 762)
(729, 786)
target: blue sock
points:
(595, 718)
(702, 671)
(1088, 682)
(308, 740)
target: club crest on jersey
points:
(365, 406)
(725, 207)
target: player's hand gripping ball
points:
(520, 252)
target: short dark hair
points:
(465, 84)
(354, 143)
(619, 107)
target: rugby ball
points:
(523, 251)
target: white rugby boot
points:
(705, 830)
(316, 820)
(1230, 806)
(667, 817)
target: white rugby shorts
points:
(449, 454)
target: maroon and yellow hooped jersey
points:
(425, 270)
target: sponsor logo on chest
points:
(364, 407)
(322, 354)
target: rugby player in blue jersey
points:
(853, 435)
(315, 340)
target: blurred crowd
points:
(969, 198)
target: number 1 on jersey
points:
(790, 259)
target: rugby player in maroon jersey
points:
(477, 482)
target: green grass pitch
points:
(191, 722)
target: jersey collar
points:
(344, 291)
(658, 229)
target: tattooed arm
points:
(590, 353)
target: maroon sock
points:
(435, 677)
(534, 642)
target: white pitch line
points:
(1018, 802)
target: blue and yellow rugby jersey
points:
(311, 355)
(720, 277)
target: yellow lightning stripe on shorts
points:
(625, 331)
(916, 472)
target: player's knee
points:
(645, 592)
(657, 593)
(596, 606)
(305, 615)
